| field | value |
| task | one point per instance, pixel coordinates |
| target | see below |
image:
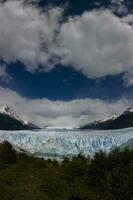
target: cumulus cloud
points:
(128, 78)
(128, 19)
(119, 7)
(3, 74)
(27, 34)
(97, 43)
(72, 114)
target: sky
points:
(66, 63)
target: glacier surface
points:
(63, 143)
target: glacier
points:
(65, 143)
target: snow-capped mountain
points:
(29, 124)
(6, 110)
(108, 118)
(10, 121)
(125, 120)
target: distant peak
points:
(109, 118)
(4, 109)
(129, 110)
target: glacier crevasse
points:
(61, 143)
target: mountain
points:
(31, 125)
(10, 121)
(125, 120)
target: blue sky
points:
(66, 84)
(75, 53)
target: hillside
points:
(10, 121)
(125, 120)
(105, 177)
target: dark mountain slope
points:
(10, 121)
(125, 120)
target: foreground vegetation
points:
(105, 177)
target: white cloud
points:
(97, 43)
(128, 78)
(27, 34)
(128, 19)
(119, 7)
(3, 74)
(44, 112)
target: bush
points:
(7, 153)
(105, 177)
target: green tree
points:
(7, 153)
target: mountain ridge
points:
(124, 120)
(11, 121)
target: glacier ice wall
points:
(61, 143)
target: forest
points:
(103, 177)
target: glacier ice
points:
(61, 143)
